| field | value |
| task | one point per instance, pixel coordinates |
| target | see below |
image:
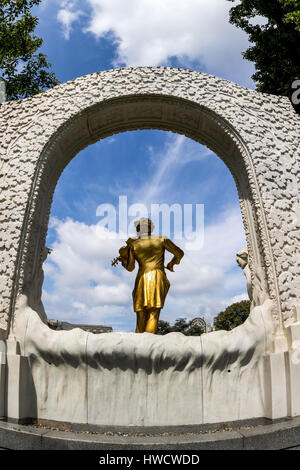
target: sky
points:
(147, 167)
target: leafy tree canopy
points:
(181, 325)
(164, 327)
(293, 15)
(233, 316)
(23, 69)
(275, 50)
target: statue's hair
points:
(243, 253)
(144, 221)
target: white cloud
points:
(67, 15)
(208, 270)
(150, 32)
(206, 281)
(238, 298)
(205, 306)
(177, 151)
(63, 309)
(80, 263)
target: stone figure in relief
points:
(257, 291)
(36, 291)
(152, 284)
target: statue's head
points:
(242, 258)
(144, 226)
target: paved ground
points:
(284, 434)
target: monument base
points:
(128, 379)
(253, 434)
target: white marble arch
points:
(256, 135)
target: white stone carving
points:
(255, 284)
(256, 135)
(146, 379)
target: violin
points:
(116, 260)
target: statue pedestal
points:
(18, 397)
(276, 384)
(2, 378)
(293, 368)
(125, 379)
(282, 377)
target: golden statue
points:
(151, 284)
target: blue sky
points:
(82, 37)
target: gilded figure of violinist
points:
(151, 284)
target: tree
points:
(193, 330)
(164, 327)
(293, 16)
(22, 68)
(275, 50)
(180, 326)
(233, 316)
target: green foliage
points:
(233, 316)
(163, 327)
(21, 66)
(181, 325)
(194, 330)
(293, 12)
(275, 50)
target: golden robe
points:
(151, 284)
